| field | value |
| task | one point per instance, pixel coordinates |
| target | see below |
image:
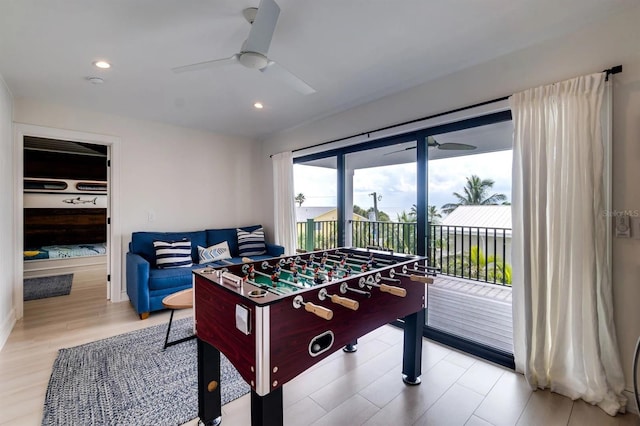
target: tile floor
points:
(364, 388)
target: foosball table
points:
(276, 318)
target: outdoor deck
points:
(474, 310)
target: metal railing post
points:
(311, 235)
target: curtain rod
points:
(368, 133)
(613, 70)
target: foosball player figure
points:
(317, 278)
(294, 271)
(348, 272)
(330, 275)
(251, 272)
(275, 277)
(343, 259)
(363, 267)
(372, 261)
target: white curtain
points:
(564, 335)
(284, 212)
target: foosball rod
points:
(412, 277)
(265, 265)
(323, 265)
(279, 280)
(344, 287)
(359, 256)
(393, 290)
(429, 269)
(275, 291)
(340, 259)
(320, 311)
(363, 261)
(338, 300)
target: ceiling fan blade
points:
(449, 146)
(207, 64)
(455, 147)
(280, 73)
(262, 28)
(400, 150)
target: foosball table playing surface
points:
(276, 318)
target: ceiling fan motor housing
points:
(253, 60)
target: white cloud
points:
(397, 184)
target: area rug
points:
(43, 287)
(129, 380)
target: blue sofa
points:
(147, 285)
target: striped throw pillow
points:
(251, 243)
(173, 254)
(214, 253)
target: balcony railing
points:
(320, 235)
(472, 252)
(475, 253)
(399, 237)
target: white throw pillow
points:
(214, 253)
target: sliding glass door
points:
(400, 194)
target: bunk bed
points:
(65, 209)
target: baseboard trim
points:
(7, 326)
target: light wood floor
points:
(364, 388)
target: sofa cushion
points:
(142, 243)
(173, 254)
(215, 252)
(251, 243)
(230, 235)
(161, 279)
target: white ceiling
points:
(351, 52)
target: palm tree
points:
(433, 215)
(300, 199)
(475, 194)
(405, 218)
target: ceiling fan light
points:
(253, 60)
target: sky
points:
(395, 186)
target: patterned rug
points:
(129, 380)
(43, 287)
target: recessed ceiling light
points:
(258, 105)
(102, 64)
(95, 80)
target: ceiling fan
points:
(253, 53)
(447, 146)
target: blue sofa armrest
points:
(138, 283)
(274, 250)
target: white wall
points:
(185, 179)
(7, 246)
(596, 47)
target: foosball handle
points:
(347, 303)
(422, 279)
(396, 291)
(247, 260)
(320, 311)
